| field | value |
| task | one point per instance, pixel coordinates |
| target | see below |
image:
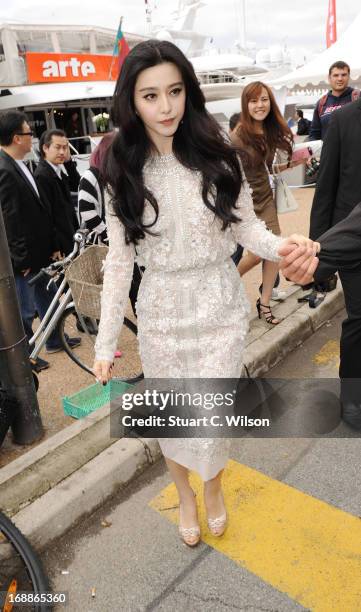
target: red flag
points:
(331, 35)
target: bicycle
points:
(63, 316)
(21, 571)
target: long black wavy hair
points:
(198, 144)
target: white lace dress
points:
(192, 309)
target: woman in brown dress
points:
(261, 134)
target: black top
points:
(341, 246)
(56, 192)
(303, 127)
(338, 188)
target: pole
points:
(148, 17)
(240, 7)
(15, 370)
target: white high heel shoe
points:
(190, 535)
(217, 526)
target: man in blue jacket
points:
(339, 95)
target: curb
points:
(68, 476)
(41, 468)
(269, 349)
(55, 512)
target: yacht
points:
(54, 71)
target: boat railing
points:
(216, 76)
(83, 140)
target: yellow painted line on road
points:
(329, 354)
(299, 544)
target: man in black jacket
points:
(28, 221)
(338, 187)
(54, 174)
(340, 251)
(338, 192)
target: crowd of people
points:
(38, 215)
(168, 192)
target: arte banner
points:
(70, 67)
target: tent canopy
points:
(315, 72)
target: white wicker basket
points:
(85, 278)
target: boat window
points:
(35, 41)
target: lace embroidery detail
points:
(203, 449)
(192, 309)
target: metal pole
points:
(240, 7)
(148, 17)
(15, 370)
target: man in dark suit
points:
(28, 222)
(340, 251)
(338, 191)
(338, 187)
(56, 177)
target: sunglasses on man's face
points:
(24, 133)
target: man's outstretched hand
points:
(299, 262)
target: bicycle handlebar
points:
(79, 238)
(37, 277)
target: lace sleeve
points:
(251, 232)
(118, 272)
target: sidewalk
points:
(70, 474)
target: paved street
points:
(293, 541)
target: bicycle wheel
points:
(20, 569)
(127, 364)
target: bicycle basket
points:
(85, 278)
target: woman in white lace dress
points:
(177, 193)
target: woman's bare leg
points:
(270, 270)
(213, 498)
(180, 474)
(248, 262)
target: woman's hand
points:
(301, 241)
(298, 263)
(103, 371)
